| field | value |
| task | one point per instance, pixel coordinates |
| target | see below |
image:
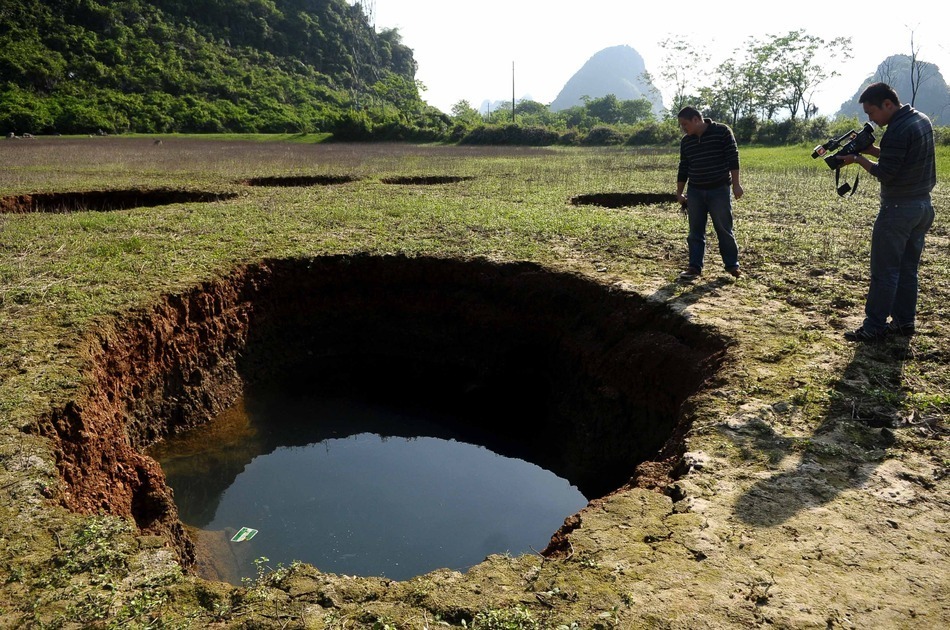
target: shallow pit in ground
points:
(290, 181)
(600, 373)
(622, 200)
(105, 200)
(425, 180)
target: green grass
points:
(304, 138)
(785, 159)
(804, 250)
(798, 237)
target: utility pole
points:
(512, 92)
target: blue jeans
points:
(715, 203)
(896, 245)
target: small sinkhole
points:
(425, 180)
(105, 200)
(622, 200)
(299, 180)
(351, 375)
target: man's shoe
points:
(691, 273)
(864, 336)
(901, 330)
(734, 272)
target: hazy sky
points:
(466, 50)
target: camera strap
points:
(845, 188)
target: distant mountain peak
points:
(933, 94)
(616, 70)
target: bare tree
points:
(920, 71)
(887, 71)
(682, 66)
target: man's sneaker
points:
(862, 335)
(901, 330)
(734, 272)
(691, 273)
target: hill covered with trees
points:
(155, 66)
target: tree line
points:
(307, 66)
(765, 90)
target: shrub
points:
(603, 136)
(569, 138)
(655, 133)
(745, 129)
(510, 135)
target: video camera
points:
(857, 141)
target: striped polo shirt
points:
(706, 161)
(907, 167)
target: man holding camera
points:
(906, 168)
(709, 161)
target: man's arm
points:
(736, 186)
(680, 187)
(861, 160)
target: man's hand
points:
(737, 191)
(851, 158)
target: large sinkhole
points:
(485, 372)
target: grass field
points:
(803, 249)
(801, 244)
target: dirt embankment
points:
(604, 372)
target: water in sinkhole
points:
(356, 487)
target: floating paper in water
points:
(245, 533)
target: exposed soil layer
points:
(425, 180)
(105, 200)
(622, 200)
(299, 180)
(603, 372)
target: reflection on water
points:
(355, 488)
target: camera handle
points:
(845, 188)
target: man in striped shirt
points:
(709, 162)
(906, 168)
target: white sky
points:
(466, 50)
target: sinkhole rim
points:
(622, 199)
(290, 181)
(105, 200)
(608, 357)
(426, 180)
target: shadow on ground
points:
(844, 450)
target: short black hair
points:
(689, 113)
(876, 93)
